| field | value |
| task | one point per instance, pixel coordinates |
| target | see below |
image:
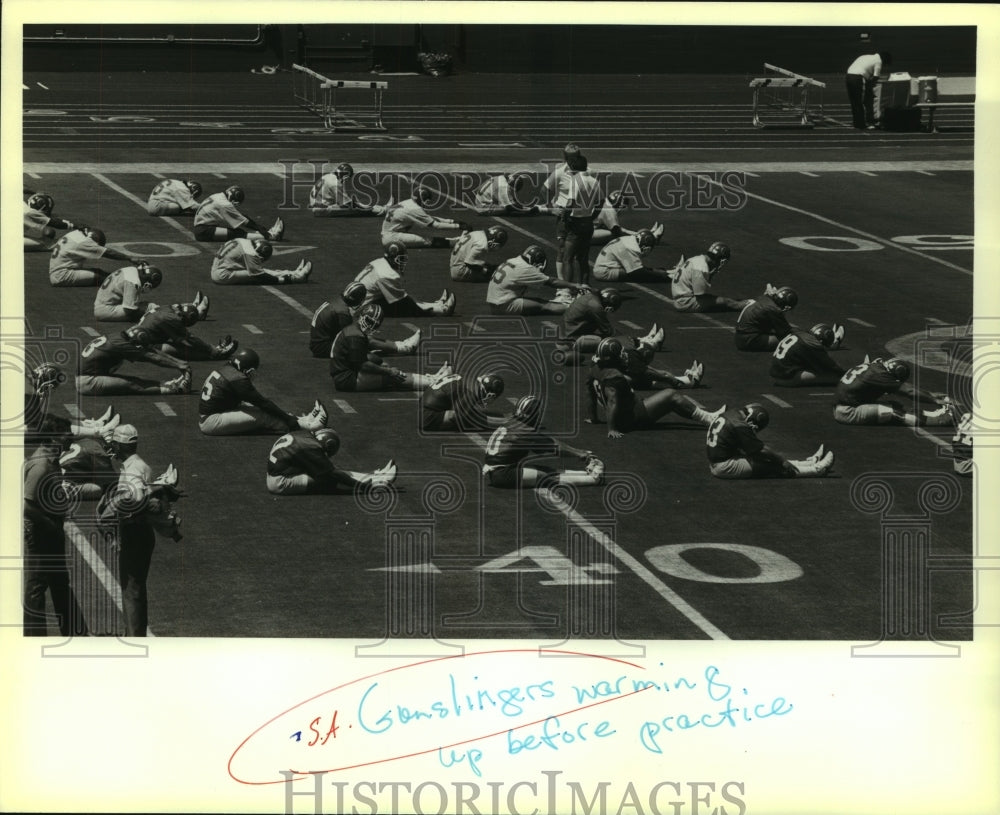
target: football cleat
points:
(410, 344)
(384, 476)
(595, 468)
(106, 429)
(201, 303)
(692, 376)
(945, 416)
(168, 478)
(657, 230)
(818, 454)
(770, 289)
(653, 339)
(838, 335)
(319, 411)
(179, 384)
(276, 232)
(226, 348)
(715, 414)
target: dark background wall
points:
(495, 49)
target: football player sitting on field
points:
(734, 451)
(468, 262)
(103, 356)
(356, 363)
(801, 358)
(45, 378)
(586, 323)
(231, 405)
(332, 316)
(40, 224)
(401, 218)
(332, 196)
(172, 196)
(74, 249)
(383, 282)
(168, 329)
(300, 464)
(606, 225)
(518, 441)
(691, 280)
(860, 388)
(509, 287)
(498, 195)
(762, 324)
(219, 218)
(612, 399)
(454, 402)
(117, 299)
(86, 468)
(241, 261)
(621, 259)
(638, 356)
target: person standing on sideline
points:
(585, 199)
(862, 75)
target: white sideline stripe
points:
(344, 406)
(776, 400)
(98, 567)
(861, 322)
(93, 332)
(165, 409)
(630, 324)
(831, 222)
(252, 328)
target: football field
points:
(873, 231)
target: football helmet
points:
(488, 388)
(138, 336)
(786, 298)
(96, 235)
(344, 170)
(609, 350)
(823, 333)
(422, 196)
(149, 276)
(618, 199)
(899, 370)
(496, 237)
(517, 180)
(187, 312)
(370, 318)
(719, 252)
(354, 295)
(329, 439)
(610, 299)
(529, 410)
(535, 255)
(262, 248)
(235, 194)
(194, 188)
(245, 361)
(47, 376)
(756, 415)
(646, 240)
(395, 253)
(41, 201)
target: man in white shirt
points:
(862, 75)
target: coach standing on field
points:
(584, 199)
(862, 75)
(557, 188)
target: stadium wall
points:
(516, 49)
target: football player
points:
(355, 357)
(508, 290)
(45, 378)
(401, 218)
(498, 195)
(332, 196)
(691, 280)
(300, 464)
(612, 399)
(801, 358)
(230, 404)
(644, 377)
(86, 468)
(173, 196)
(74, 249)
(734, 451)
(621, 259)
(762, 324)
(961, 446)
(518, 439)
(860, 388)
(168, 329)
(241, 260)
(103, 356)
(332, 316)
(606, 223)
(117, 298)
(468, 256)
(40, 224)
(218, 218)
(454, 402)
(383, 282)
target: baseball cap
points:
(125, 434)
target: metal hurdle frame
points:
(318, 94)
(785, 79)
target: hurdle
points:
(788, 92)
(334, 100)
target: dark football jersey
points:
(164, 325)
(514, 441)
(226, 388)
(298, 453)
(763, 316)
(604, 380)
(801, 351)
(864, 384)
(86, 461)
(729, 436)
(586, 315)
(104, 356)
(328, 321)
(348, 353)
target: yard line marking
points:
(512, 399)
(630, 324)
(811, 175)
(219, 175)
(40, 85)
(776, 400)
(923, 172)
(291, 301)
(158, 175)
(936, 321)
(25, 87)
(165, 409)
(73, 410)
(252, 328)
(279, 174)
(861, 322)
(34, 175)
(139, 202)
(831, 222)
(410, 326)
(865, 172)
(93, 332)
(344, 406)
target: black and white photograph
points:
(500, 408)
